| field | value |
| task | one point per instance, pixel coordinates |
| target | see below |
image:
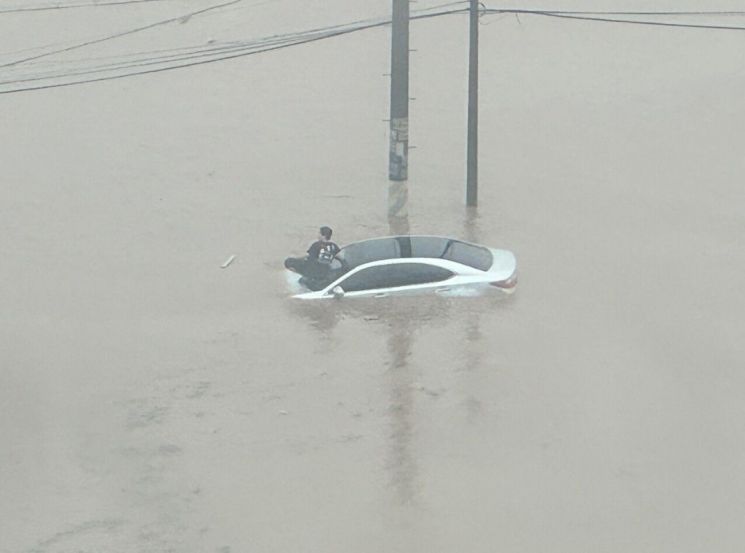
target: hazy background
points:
(151, 401)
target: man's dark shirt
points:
(323, 252)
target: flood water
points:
(152, 401)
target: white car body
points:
(441, 275)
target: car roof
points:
(416, 246)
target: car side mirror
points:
(337, 292)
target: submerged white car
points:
(412, 264)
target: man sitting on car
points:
(315, 266)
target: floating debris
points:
(228, 261)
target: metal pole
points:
(472, 185)
(399, 148)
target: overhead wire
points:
(179, 58)
(65, 46)
(192, 53)
(337, 30)
(74, 6)
(623, 12)
(121, 34)
(600, 17)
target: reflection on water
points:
(401, 463)
(471, 228)
(472, 330)
(398, 226)
(323, 315)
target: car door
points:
(394, 278)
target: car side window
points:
(394, 276)
(366, 279)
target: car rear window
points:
(394, 276)
(468, 254)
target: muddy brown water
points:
(152, 401)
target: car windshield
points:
(359, 253)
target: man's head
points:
(325, 233)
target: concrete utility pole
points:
(472, 184)
(399, 150)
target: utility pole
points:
(472, 184)
(399, 148)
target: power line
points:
(119, 35)
(604, 12)
(588, 16)
(189, 57)
(177, 55)
(268, 44)
(74, 6)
